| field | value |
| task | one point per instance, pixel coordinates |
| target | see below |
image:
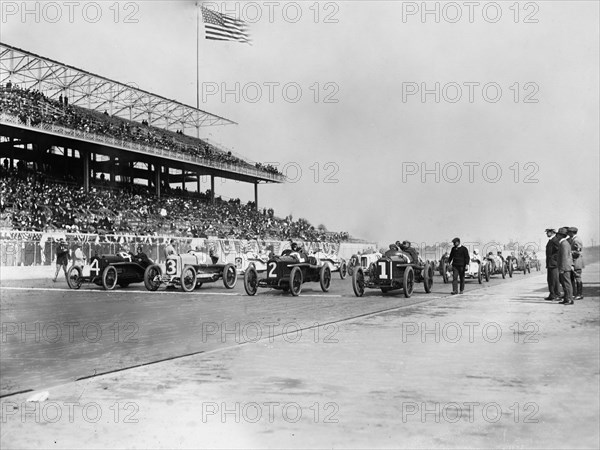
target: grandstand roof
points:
(99, 93)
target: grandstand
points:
(86, 154)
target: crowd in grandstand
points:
(33, 107)
(30, 202)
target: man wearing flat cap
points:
(565, 266)
(552, 265)
(459, 258)
(577, 254)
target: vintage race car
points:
(336, 264)
(474, 270)
(393, 271)
(445, 268)
(517, 264)
(108, 271)
(363, 261)
(287, 273)
(244, 261)
(493, 265)
(189, 271)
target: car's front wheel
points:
(74, 279)
(109, 278)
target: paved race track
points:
(52, 335)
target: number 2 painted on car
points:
(272, 267)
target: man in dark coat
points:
(459, 258)
(565, 266)
(551, 265)
(62, 258)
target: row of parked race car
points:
(392, 270)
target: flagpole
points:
(197, 63)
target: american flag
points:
(220, 27)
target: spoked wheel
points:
(409, 282)
(445, 275)
(109, 278)
(74, 279)
(325, 277)
(188, 279)
(251, 280)
(479, 277)
(503, 270)
(428, 277)
(152, 276)
(510, 269)
(343, 270)
(358, 281)
(229, 276)
(486, 272)
(296, 281)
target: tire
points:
(152, 276)
(109, 278)
(74, 279)
(229, 276)
(445, 272)
(528, 268)
(486, 272)
(503, 270)
(188, 279)
(510, 269)
(296, 281)
(408, 284)
(358, 282)
(343, 270)
(251, 280)
(325, 277)
(428, 277)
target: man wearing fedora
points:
(577, 254)
(552, 265)
(459, 258)
(62, 258)
(565, 265)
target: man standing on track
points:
(459, 258)
(62, 258)
(577, 253)
(552, 265)
(565, 266)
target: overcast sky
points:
(360, 117)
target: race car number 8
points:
(171, 266)
(272, 268)
(383, 272)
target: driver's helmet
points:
(140, 249)
(476, 252)
(295, 247)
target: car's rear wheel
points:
(109, 278)
(486, 272)
(74, 278)
(408, 284)
(325, 277)
(445, 276)
(510, 269)
(251, 280)
(479, 275)
(152, 276)
(428, 277)
(503, 270)
(343, 270)
(188, 278)
(358, 281)
(296, 281)
(229, 276)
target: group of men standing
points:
(564, 263)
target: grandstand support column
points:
(157, 169)
(212, 188)
(86, 170)
(256, 195)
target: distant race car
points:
(517, 264)
(393, 271)
(288, 272)
(336, 264)
(259, 260)
(190, 271)
(493, 265)
(363, 261)
(474, 270)
(108, 271)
